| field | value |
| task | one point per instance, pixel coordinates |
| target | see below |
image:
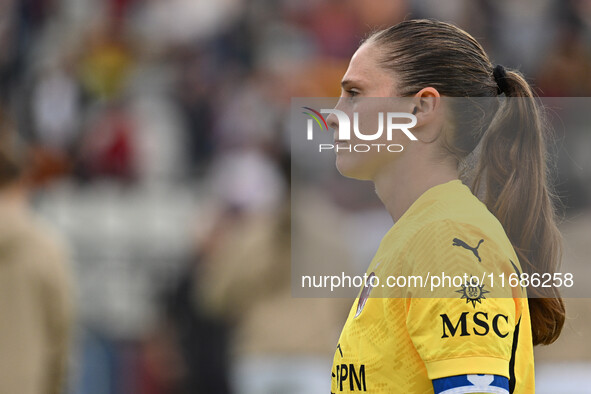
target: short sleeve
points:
(464, 325)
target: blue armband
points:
(463, 384)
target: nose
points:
(333, 122)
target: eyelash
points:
(352, 93)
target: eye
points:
(352, 93)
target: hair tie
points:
(500, 76)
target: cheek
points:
(371, 125)
(364, 164)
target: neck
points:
(13, 196)
(399, 186)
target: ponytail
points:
(513, 168)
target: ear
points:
(426, 104)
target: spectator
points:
(35, 294)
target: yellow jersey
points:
(418, 326)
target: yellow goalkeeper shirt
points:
(419, 326)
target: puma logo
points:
(459, 242)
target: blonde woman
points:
(465, 340)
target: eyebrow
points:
(346, 82)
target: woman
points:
(468, 337)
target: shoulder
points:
(44, 251)
(448, 233)
(474, 231)
(47, 240)
(459, 248)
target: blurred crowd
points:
(155, 138)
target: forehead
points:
(364, 66)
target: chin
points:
(351, 167)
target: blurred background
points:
(147, 138)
